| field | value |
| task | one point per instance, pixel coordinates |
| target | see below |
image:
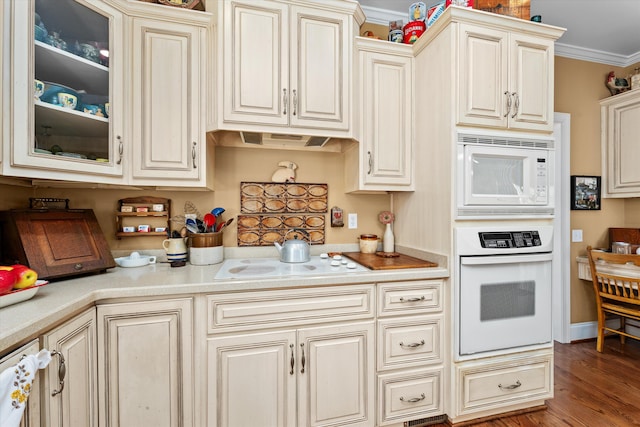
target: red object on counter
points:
(413, 30)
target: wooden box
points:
(54, 243)
(516, 8)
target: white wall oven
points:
(506, 175)
(503, 289)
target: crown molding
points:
(375, 15)
(592, 55)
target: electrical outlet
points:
(353, 220)
(576, 235)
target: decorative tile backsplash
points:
(270, 210)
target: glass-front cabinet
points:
(66, 92)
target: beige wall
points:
(579, 85)
(233, 165)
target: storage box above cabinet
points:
(54, 243)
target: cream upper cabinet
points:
(285, 68)
(72, 401)
(64, 131)
(505, 79)
(140, 111)
(382, 161)
(145, 363)
(620, 127)
(167, 144)
(31, 414)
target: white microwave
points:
(506, 176)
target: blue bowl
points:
(51, 91)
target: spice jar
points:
(368, 243)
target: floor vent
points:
(426, 421)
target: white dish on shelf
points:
(20, 295)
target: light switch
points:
(576, 236)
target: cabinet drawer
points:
(409, 341)
(409, 395)
(410, 297)
(251, 310)
(503, 384)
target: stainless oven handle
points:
(504, 259)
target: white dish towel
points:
(15, 386)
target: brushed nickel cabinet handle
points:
(293, 360)
(412, 345)
(414, 399)
(516, 104)
(193, 154)
(413, 299)
(370, 162)
(295, 102)
(510, 387)
(508, 95)
(120, 149)
(62, 372)
(285, 101)
(303, 360)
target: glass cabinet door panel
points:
(68, 81)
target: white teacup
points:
(68, 100)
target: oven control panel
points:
(509, 239)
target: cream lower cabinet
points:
(490, 386)
(145, 363)
(505, 77)
(31, 414)
(292, 358)
(382, 160)
(620, 127)
(70, 382)
(410, 345)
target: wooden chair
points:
(617, 296)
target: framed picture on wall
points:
(585, 193)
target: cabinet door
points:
(386, 93)
(145, 363)
(255, 62)
(620, 148)
(483, 74)
(252, 380)
(167, 144)
(531, 83)
(31, 414)
(87, 141)
(336, 375)
(319, 67)
(76, 402)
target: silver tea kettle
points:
(293, 250)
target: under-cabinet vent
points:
(280, 139)
(426, 421)
(469, 139)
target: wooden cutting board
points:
(376, 262)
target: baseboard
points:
(589, 330)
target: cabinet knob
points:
(78, 266)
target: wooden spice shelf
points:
(133, 219)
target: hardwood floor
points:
(591, 389)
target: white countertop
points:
(61, 299)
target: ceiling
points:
(605, 31)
